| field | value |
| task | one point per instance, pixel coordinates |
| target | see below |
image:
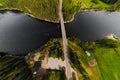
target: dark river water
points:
(90, 26)
(20, 34)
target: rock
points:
(111, 36)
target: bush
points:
(94, 1)
(110, 43)
(88, 45)
(109, 1)
(76, 40)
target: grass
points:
(107, 58)
(70, 7)
(88, 4)
(42, 9)
(76, 64)
(92, 72)
(49, 10)
(108, 61)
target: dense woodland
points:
(14, 68)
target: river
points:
(94, 25)
(21, 34)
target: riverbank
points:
(44, 10)
(75, 6)
(88, 10)
(47, 11)
(56, 21)
(28, 14)
(87, 66)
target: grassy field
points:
(72, 6)
(108, 61)
(42, 9)
(107, 58)
(92, 73)
(69, 8)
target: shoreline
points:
(57, 21)
(87, 10)
(28, 14)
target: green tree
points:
(110, 43)
(88, 45)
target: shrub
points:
(110, 43)
(109, 1)
(88, 45)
